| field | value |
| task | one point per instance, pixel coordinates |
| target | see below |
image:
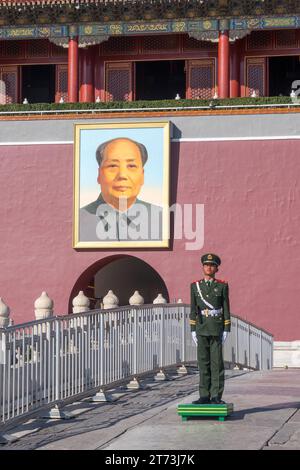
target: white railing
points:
(48, 361)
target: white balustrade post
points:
(110, 300)
(80, 303)
(57, 361)
(237, 342)
(260, 352)
(183, 334)
(182, 370)
(136, 299)
(135, 341)
(249, 339)
(159, 300)
(4, 372)
(43, 307)
(101, 345)
(4, 314)
(162, 342)
(2, 353)
(55, 412)
(134, 384)
(272, 354)
(161, 376)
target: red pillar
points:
(223, 64)
(87, 75)
(235, 69)
(73, 70)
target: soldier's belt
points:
(211, 313)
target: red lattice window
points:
(159, 44)
(61, 83)
(201, 79)
(256, 76)
(9, 84)
(38, 48)
(57, 51)
(286, 39)
(119, 46)
(260, 40)
(118, 81)
(191, 45)
(12, 49)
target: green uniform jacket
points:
(217, 294)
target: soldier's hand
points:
(224, 336)
(194, 336)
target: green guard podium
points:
(190, 410)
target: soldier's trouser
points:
(211, 366)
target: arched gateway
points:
(123, 274)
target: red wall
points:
(252, 214)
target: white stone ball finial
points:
(159, 300)
(179, 301)
(43, 307)
(110, 300)
(4, 314)
(81, 303)
(136, 299)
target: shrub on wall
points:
(114, 105)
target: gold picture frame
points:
(88, 139)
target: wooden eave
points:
(124, 10)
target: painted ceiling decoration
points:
(93, 21)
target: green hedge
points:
(147, 104)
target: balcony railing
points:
(49, 361)
(189, 105)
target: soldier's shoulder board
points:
(197, 280)
(221, 281)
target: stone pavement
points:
(266, 416)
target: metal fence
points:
(48, 361)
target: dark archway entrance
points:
(283, 71)
(160, 80)
(123, 274)
(38, 83)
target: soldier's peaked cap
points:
(211, 258)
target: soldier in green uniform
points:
(210, 325)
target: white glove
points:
(194, 336)
(224, 336)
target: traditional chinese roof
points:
(25, 12)
(199, 7)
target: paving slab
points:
(266, 416)
(264, 403)
(194, 436)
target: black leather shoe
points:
(217, 401)
(202, 401)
